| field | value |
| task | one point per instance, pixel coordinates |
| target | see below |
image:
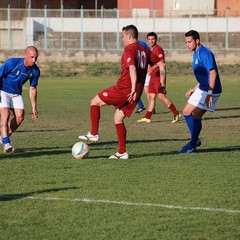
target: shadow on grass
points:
(175, 152)
(222, 149)
(224, 117)
(35, 152)
(43, 130)
(220, 117)
(142, 141)
(10, 197)
(228, 109)
(51, 151)
(29, 153)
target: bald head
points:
(31, 48)
(31, 55)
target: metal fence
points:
(81, 29)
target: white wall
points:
(213, 24)
(181, 7)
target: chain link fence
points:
(81, 29)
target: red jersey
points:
(135, 54)
(158, 51)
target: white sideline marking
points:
(87, 200)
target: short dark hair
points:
(132, 30)
(192, 33)
(152, 34)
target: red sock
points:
(148, 115)
(173, 109)
(121, 135)
(95, 117)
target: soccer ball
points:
(80, 150)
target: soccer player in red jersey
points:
(157, 84)
(125, 94)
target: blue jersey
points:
(14, 74)
(144, 44)
(203, 63)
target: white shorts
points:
(198, 98)
(8, 100)
(147, 79)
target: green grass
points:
(44, 189)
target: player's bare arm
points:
(162, 69)
(33, 99)
(212, 80)
(151, 68)
(133, 76)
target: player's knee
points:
(96, 101)
(19, 119)
(186, 112)
(161, 97)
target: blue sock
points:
(189, 121)
(197, 127)
(5, 140)
(140, 103)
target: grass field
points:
(157, 194)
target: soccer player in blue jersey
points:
(204, 96)
(13, 74)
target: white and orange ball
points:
(80, 150)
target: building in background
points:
(56, 4)
(231, 6)
(189, 7)
(143, 8)
(96, 24)
(137, 8)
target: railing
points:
(81, 29)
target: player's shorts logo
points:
(105, 94)
(128, 60)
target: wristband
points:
(210, 92)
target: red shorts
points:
(154, 85)
(117, 98)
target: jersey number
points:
(142, 59)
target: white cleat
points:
(146, 120)
(118, 155)
(176, 118)
(89, 137)
(8, 148)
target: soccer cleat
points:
(144, 120)
(176, 118)
(89, 137)
(118, 155)
(198, 143)
(7, 148)
(139, 110)
(187, 149)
